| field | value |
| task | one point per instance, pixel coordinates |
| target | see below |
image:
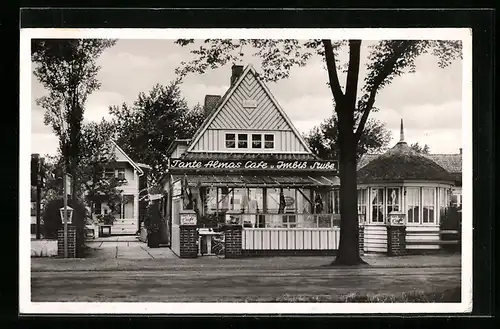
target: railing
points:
(291, 221)
(291, 238)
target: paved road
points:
(207, 284)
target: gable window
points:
(230, 141)
(121, 173)
(268, 141)
(242, 141)
(256, 141)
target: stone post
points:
(233, 231)
(71, 242)
(188, 234)
(396, 234)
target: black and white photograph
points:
(246, 171)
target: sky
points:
(429, 100)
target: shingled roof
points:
(450, 162)
(401, 163)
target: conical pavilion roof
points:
(401, 163)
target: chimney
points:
(460, 151)
(236, 71)
(211, 102)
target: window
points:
(377, 205)
(121, 173)
(336, 201)
(393, 200)
(443, 201)
(211, 200)
(428, 197)
(256, 141)
(97, 208)
(109, 173)
(362, 205)
(289, 221)
(242, 141)
(268, 141)
(230, 141)
(413, 204)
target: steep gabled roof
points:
(129, 160)
(249, 69)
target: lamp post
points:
(64, 212)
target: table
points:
(101, 230)
(208, 234)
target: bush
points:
(52, 221)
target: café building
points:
(249, 169)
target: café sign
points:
(273, 165)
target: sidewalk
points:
(139, 257)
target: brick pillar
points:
(71, 242)
(188, 241)
(396, 240)
(233, 241)
(361, 239)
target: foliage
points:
(107, 219)
(420, 149)
(67, 69)
(153, 122)
(323, 140)
(209, 220)
(52, 221)
(387, 60)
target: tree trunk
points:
(348, 253)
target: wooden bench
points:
(435, 242)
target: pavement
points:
(125, 247)
(124, 269)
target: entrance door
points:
(176, 234)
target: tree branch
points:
(332, 71)
(384, 73)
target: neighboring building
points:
(452, 163)
(248, 163)
(404, 182)
(129, 211)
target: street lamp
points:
(69, 215)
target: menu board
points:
(188, 219)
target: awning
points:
(259, 181)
